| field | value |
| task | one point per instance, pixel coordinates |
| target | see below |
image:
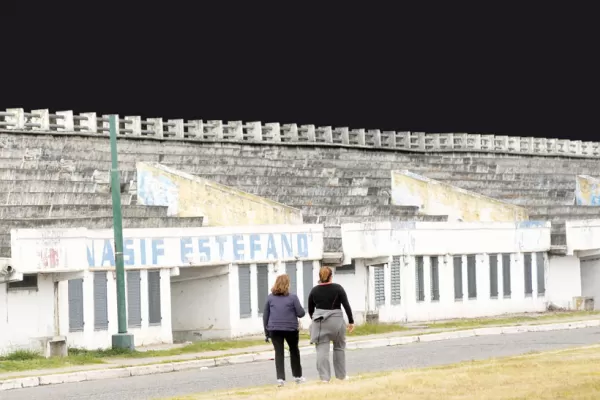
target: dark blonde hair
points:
(325, 274)
(281, 286)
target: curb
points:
(153, 369)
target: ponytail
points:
(325, 274)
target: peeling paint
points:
(187, 195)
(587, 191)
(438, 198)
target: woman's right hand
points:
(350, 328)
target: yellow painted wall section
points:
(187, 195)
(438, 198)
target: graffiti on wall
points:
(587, 191)
(187, 195)
(153, 190)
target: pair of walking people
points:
(280, 319)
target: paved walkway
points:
(414, 355)
(128, 362)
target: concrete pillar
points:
(156, 127)
(17, 119)
(273, 129)
(501, 143)
(514, 144)
(435, 141)
(215, 129)
(390, 140)
(563, 146)
(403, 140)
(135, 124)
(576, 147)
(235, 130)
(526, 145)
(587, 148)
(310, 132)
(326, 134)
(421, 137)
(66, 121)
(344, 134)
(89, 122)
(291, 132)
(474, 141)
(105, 125)
(376, 134)
(196, 129)
(42, 118)
(176, 128)
(360, 136)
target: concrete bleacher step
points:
(507, 193)
(48, 198)
(91, 223)
(564, 210)
(300, 201)
(86, 175)
(476, 185)
(460, 176)
(244, 180)
(359, 211)
(281, 190)
(79, 211)
(53, 186)
(328, 220)
(563, 217)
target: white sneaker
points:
(280, 382)
(347, 378)
(300, 380)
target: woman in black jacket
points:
(324, 307)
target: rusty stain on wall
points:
(438, 198)
(187, 195)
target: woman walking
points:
(280, 320)
(328, 325)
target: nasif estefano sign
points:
(172, 247)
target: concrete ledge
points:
(62, 378)
(152, 369)
(107, 374)
(185, 365)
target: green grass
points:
(499, 321)
(27, 360)
(23, 360)
(197, 347)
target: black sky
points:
(518, 72)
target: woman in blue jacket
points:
(280, 320)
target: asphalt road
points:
(263, 373)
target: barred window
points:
(435, 278)
(420, 280)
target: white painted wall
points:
(253, 325)
(582, 235)
(590, 280)
(564, 280)
(355, 286)
(371, 240)
(200, 301)
(447, 307)
(143, 336)
(26, 315)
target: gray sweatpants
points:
(329, 327)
